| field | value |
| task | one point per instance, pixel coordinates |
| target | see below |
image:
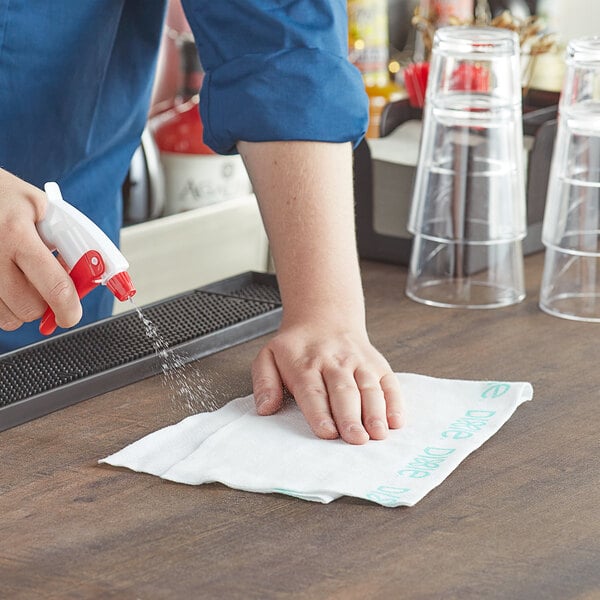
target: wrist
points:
(331, 301)
(336, 314)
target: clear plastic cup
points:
(571, 231)
(468, 212)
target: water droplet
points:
(185, 387)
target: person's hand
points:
(322, 353)
(31, 279)
(342, 384)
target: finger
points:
(393, 400)
(310, 394)
(51, 280)
(345, 402)
(373, 404)
(8, 320)
(266, 383)
(19, 296)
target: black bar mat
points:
(83, 363)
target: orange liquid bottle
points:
(368, 42)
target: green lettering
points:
(495, 390)
(480, 414)
(456, 435)
(432, 451)
(387, 494)
(414, 473)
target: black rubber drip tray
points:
(85, 362)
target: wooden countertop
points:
(518, 519)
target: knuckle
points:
(370, 386)
(333, 372)
(8, 320)
(23, 252)
(349, 424)
(9, 324)
(62, 292)
(318, 418)
(28, 315)
(389, 380)
(14, 229)
(264, 383)
(345, 361)
(262, 355)
(308, 391)
(319, 415)
(374, 405)
(375, 420)
(29, 312)
(341, 387)
(306, 363)
(342, 364)
(256, 366)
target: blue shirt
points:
(76, 78)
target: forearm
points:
(306, 198)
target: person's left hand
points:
(322, 353)
(342, 384)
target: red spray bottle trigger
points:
(86, 275)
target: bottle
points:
(169, 72)
(189, 83)
(441, 11)
(368, 46)
(195, 176)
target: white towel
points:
(445, 420)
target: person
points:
(75, 84)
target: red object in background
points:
(191, 75)
(470, 78)
(415, 82)
(195, 176)
(181, 130)
(465, 78)
(167, 85)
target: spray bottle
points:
(90, 256)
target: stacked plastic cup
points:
(468, 213)
(571, 230)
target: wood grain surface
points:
(518, 519)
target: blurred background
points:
(184, 205)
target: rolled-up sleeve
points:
(276, 70)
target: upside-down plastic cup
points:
(468, 208)
(571, 231)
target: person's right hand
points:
(31, 278)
